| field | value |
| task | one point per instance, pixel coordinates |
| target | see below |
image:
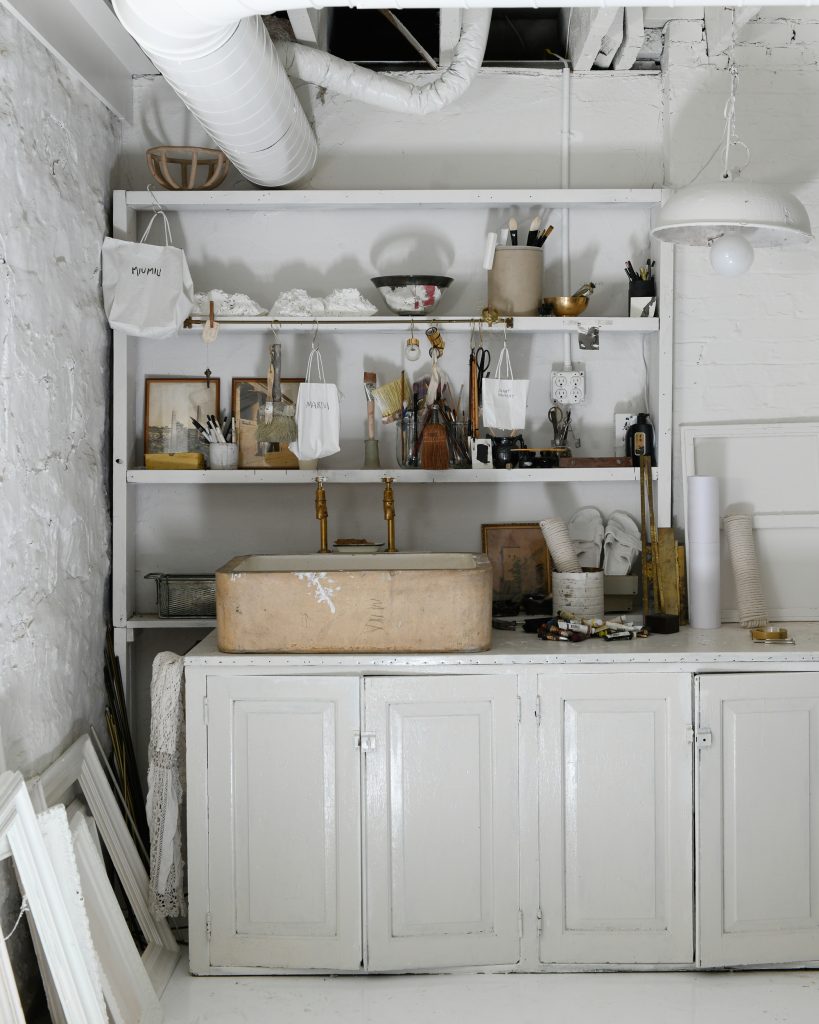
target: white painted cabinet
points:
(615, 796)
(442, 821)
(283, 822)
(275, 831)
(758, 813)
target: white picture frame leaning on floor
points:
(80, 766)
(20, 839)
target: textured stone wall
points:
(58, 145)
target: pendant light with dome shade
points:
(733, 218)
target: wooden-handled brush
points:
(278, 423)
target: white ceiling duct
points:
(221, 62)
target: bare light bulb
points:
(731, 254)
(413, 349)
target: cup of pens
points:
(642, 290)
(222, 450)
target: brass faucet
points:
(321, 513)
(389, 513)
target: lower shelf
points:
(153, 621)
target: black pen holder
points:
(640, 295)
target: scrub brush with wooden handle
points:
(278, 420)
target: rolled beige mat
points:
(739, 532)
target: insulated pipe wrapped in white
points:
(322, 69)
(222, 64)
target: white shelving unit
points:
(242, 241)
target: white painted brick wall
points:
(58, 146)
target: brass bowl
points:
(565, 305)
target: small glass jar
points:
(406, 439)
(458, 441)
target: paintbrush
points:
(391, 397)
(278, 423)
(534, 228)
(513, 231)
(369, 390)
(543, 235)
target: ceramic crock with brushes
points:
(317, 414)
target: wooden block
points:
(683, 585)
(668, 572)
(174, 460)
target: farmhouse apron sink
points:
(344, 604)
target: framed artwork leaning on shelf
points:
(170, 402)
(520, 560)
(248, 396)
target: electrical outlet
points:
(622, 421)
(568, 386)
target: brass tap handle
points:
(389, 513)
(321, 514)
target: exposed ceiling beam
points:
(611, 41)
(585, 29)
(634, 35)
(722, 23)
(88, 37)
(311, 26)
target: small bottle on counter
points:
(640, 439)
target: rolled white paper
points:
(704, 611)
(703, 510)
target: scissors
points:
(559, 428)
(482, 361)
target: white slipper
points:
(621, 544)
(586, 532)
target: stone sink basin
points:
(345, 604)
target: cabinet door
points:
(284, 822)
(758, 793)
(615, 791)
(442, 821)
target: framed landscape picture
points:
(248, 396)
(520, 560)
(170, 402)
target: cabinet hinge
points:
(700, 738)
(366, 742)
(205, 710)
(520, 924)
(208, 928)
(539, 921)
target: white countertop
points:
(696, 649)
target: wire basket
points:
(185, 595)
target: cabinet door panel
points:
(758, 792)
(284, 822)
(615, 819)
(442, 824)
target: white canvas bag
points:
(318, 417)
(504, 398)
(147, 289)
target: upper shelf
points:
(605, 474)
(401, 324)
(266, 200)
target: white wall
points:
(57, 149)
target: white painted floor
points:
(754, 997)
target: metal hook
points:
(472, 335)
(313, 345)
(156, 203)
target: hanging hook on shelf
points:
(313, 342)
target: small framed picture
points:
(520, 560)
(248, 397)
(170, 402)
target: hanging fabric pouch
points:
(318, 417)
(504, 398)
(147, 289)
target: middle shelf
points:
(402, 324)
(583, 474)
